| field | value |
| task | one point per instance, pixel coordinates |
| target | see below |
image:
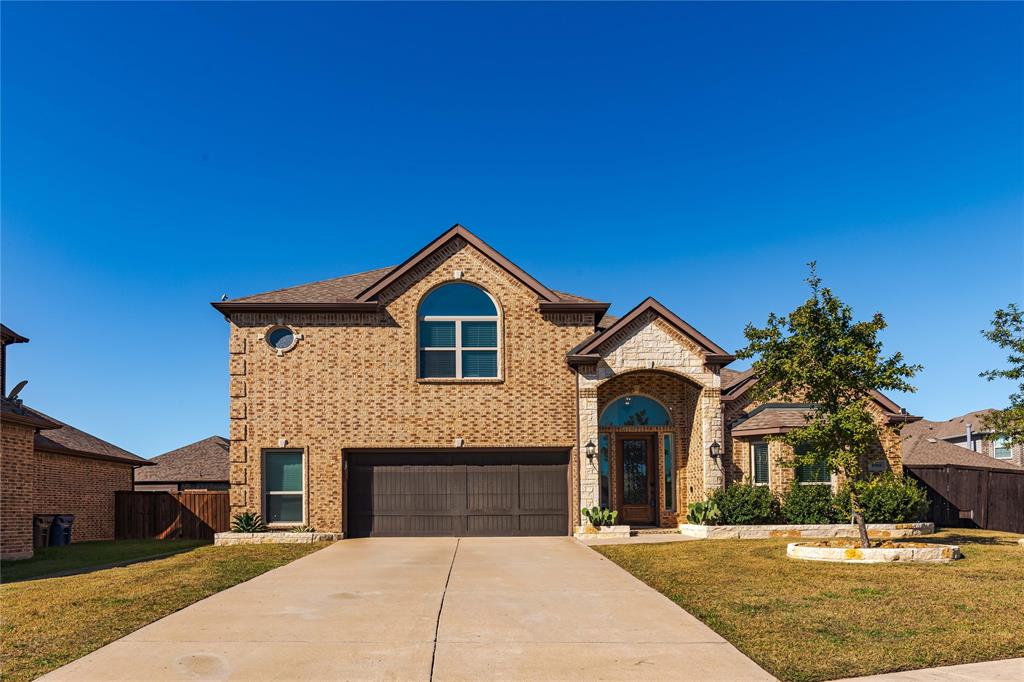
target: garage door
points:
(457, 493)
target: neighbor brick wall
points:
(17, 468)
(80, 486)
(350, 382)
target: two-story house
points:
(455, 394)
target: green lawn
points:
(803, 620)
(83, 555)
(50, 622)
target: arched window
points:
(635, 410)
(458, 333)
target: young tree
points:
(1008, 332)
(817, 354)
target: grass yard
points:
(50, 622)
(83, 555)
(803, 620)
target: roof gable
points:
(371, 292)
(740, 385)
(713, 352)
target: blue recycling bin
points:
(60, 530)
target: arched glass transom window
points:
(458, 333)
(635, 410)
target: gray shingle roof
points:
(69, 440)
(204, 460)
(923, 449)
(950, 428)
(772, 418)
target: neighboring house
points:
(967, 432)
(455, 394)
(202, 465)
(49, 467)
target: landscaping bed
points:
(818, 530)
(806, 621)
(273, 538)
(50, 622)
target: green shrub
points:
(702, 513)
(302, 529)
(891, 499)
(600, 517)
(745, 504)
(248, 522)
(810, 504)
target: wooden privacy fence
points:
(973, 497)
(194, 515)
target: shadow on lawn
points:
(82, 570)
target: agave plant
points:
(702, 513)
(248, 522)
(600, 517)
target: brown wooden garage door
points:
(457, 494)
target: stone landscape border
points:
(933, 554)
(273, 538)
(876, 531)
(602, 532)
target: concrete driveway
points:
(422, 609)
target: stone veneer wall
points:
(80, 486)
(649, 343)
(17, 470)
(351, 383)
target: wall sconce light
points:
(716, 450)
(590, 449)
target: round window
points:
(281, 338)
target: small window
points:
(458, 333)
(280, 338)
(284, 498)
(759, 463)
(670, 469)
(604, 470)
(635, 410)
(813, 473)
(1001, 449)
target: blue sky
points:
(158, 155)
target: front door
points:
(636, 482)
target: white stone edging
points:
(877, 531)
(935, 554)
(273, 538)
(589, 532)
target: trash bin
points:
(41, 530)
(60, 531)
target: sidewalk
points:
(991, 671)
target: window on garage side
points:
(458, 333)
(812, 474)
(284, 492)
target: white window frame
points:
(266, 493)
(995, 446)
(458, 347)
(753, 463)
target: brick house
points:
(968, 433)
(456, 394)
(50, 467)
(202, 465)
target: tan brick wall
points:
(17, 469)
(351, 383)
(83, 487)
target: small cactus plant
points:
(702, 513)
(600, 517)
(248, 522)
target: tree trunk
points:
(858, 518)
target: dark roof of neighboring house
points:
(773, 418)
(925, 450)
(359, 291)
(732, 378)
(64, 439)
(950, 428)
(8, 335)
(204, 460)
